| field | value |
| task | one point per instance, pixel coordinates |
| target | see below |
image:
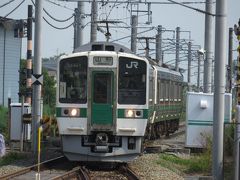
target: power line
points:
(60, 5)
(58, 20)
(136, 2)
(59, 28)
(6, 3)
(196, 9)
(13, 10)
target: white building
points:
(10, 54)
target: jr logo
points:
(133, 64)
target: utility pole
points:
(75, 29)
(237, 128)
(230, 58)
(177, 48)
(159, 45)
(219, 90)
(29, 56)
(208, 47)
(147, 49)
(134, 23)
(189, 64)
(94, 15)
(37, 70)
(199, 71)
(79, 24)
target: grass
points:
(10, 158)
(197, 164)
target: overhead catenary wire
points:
(13, 10)
(196, 9)
(58, 20)
(59, 28)
(59, 5)
(5, 4)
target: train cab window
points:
(73, 80)
(132, 81)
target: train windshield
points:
(132, 81)
(73, 80)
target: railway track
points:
(73, 171)
(128, 172)
(77, 173)
(32, 169)
(173, 142)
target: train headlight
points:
(136, 113)
(72, 112)
(129, 113)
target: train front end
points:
(102, 105)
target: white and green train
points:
(107, 96)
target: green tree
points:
(22, 76)
(48, 93)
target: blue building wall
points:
(10, 54)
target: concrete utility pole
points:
(219, 90)
(237, 145)
(38, 71)
(29, 56)
(94, 15)
(79, 24)
(199, 69)
(237, 128)
(189, 64)
(159, 46)
(177, 48)
(134, 34)
(230, 59)
(208, 47)
(147, 49)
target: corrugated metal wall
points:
(10, 54)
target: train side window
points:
(162, 88)
(167, 90)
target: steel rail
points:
(128, 172)
(28, 169)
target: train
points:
(109, 100)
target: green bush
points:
(3, 120)
(10, 158)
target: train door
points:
(102, 98)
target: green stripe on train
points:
(121, 113)
(83, 112)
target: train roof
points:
(103, 46)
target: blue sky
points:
(169, 16)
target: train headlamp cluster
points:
(131, 113)
(72, 112)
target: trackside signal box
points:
(199, 117)
(15, 122)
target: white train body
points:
(100, 117)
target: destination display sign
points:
(101, 60)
